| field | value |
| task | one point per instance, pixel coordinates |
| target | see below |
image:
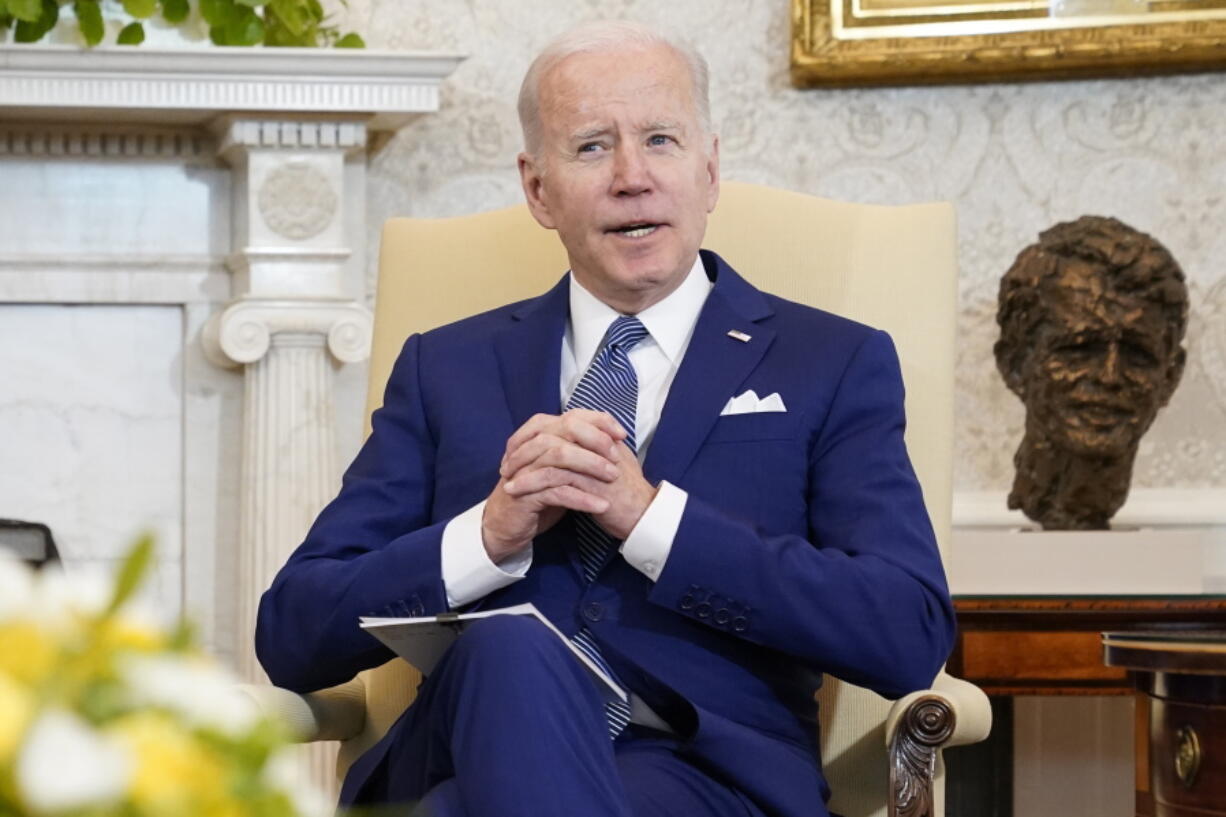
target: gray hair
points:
(600, 37)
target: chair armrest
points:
(969, 721)
(952, 713)
(338, 713)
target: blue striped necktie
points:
(611, 385)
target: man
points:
(1091, 319)
(574, 451)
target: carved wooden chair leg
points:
(926, 726)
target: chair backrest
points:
(890, 267)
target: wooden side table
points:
(1049, 645)
(1183, 674)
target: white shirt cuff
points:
(468, 572)
(649, 543)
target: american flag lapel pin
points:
(738, 335)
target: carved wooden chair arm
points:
(952, 713)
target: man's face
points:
(625, 173)
(1102, 365)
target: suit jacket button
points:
(593, 611)
(722, 616)
(687, 601)
(703, 610)
(739, 624)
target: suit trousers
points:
(510, 724)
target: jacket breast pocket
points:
(757, 426)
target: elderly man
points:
(704, 487)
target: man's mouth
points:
(1101, 412)
(638, 229)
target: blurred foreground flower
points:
(106, 713)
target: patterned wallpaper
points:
(1014, 158)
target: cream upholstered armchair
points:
(891, 267)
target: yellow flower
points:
(16, 709)
(123, 634)
(27, 653)
(175, 773)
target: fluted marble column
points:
(289, 468)
(287, 441)
(298, 224)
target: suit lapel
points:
(714, 365)
(529, 354)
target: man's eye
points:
(1080, 349)
(1139, 355)
(659, 139)
(589, 147)
(1072, 348)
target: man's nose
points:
(1109, 373)
(631, 175)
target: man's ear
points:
(531, 178)
(713, 174)
(1010, 366)
(1174, 373)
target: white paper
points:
(422, 641)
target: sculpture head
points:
(1091, 320)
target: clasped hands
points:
(554, 463)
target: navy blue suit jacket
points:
(804, 547)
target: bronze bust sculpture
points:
(1091, 320)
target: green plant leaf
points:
(102, 700)
(292, 13)
(29, 11)
(183, 636)
(247, 29)
(132, 34)
(351, 40)
(89, 20)
(30, 31)
(140, 9)
(174, 11)
(6, 20)
(252, 3)
(218, 12)
(139, 559)
(277, 35)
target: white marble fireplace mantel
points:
(194, 85)
(159, 210)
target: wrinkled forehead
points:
(592, 83)
(1083, 297)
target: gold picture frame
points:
(842, 43)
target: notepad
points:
(422, 641)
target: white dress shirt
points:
(468, 572)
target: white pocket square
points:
(750, 403)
